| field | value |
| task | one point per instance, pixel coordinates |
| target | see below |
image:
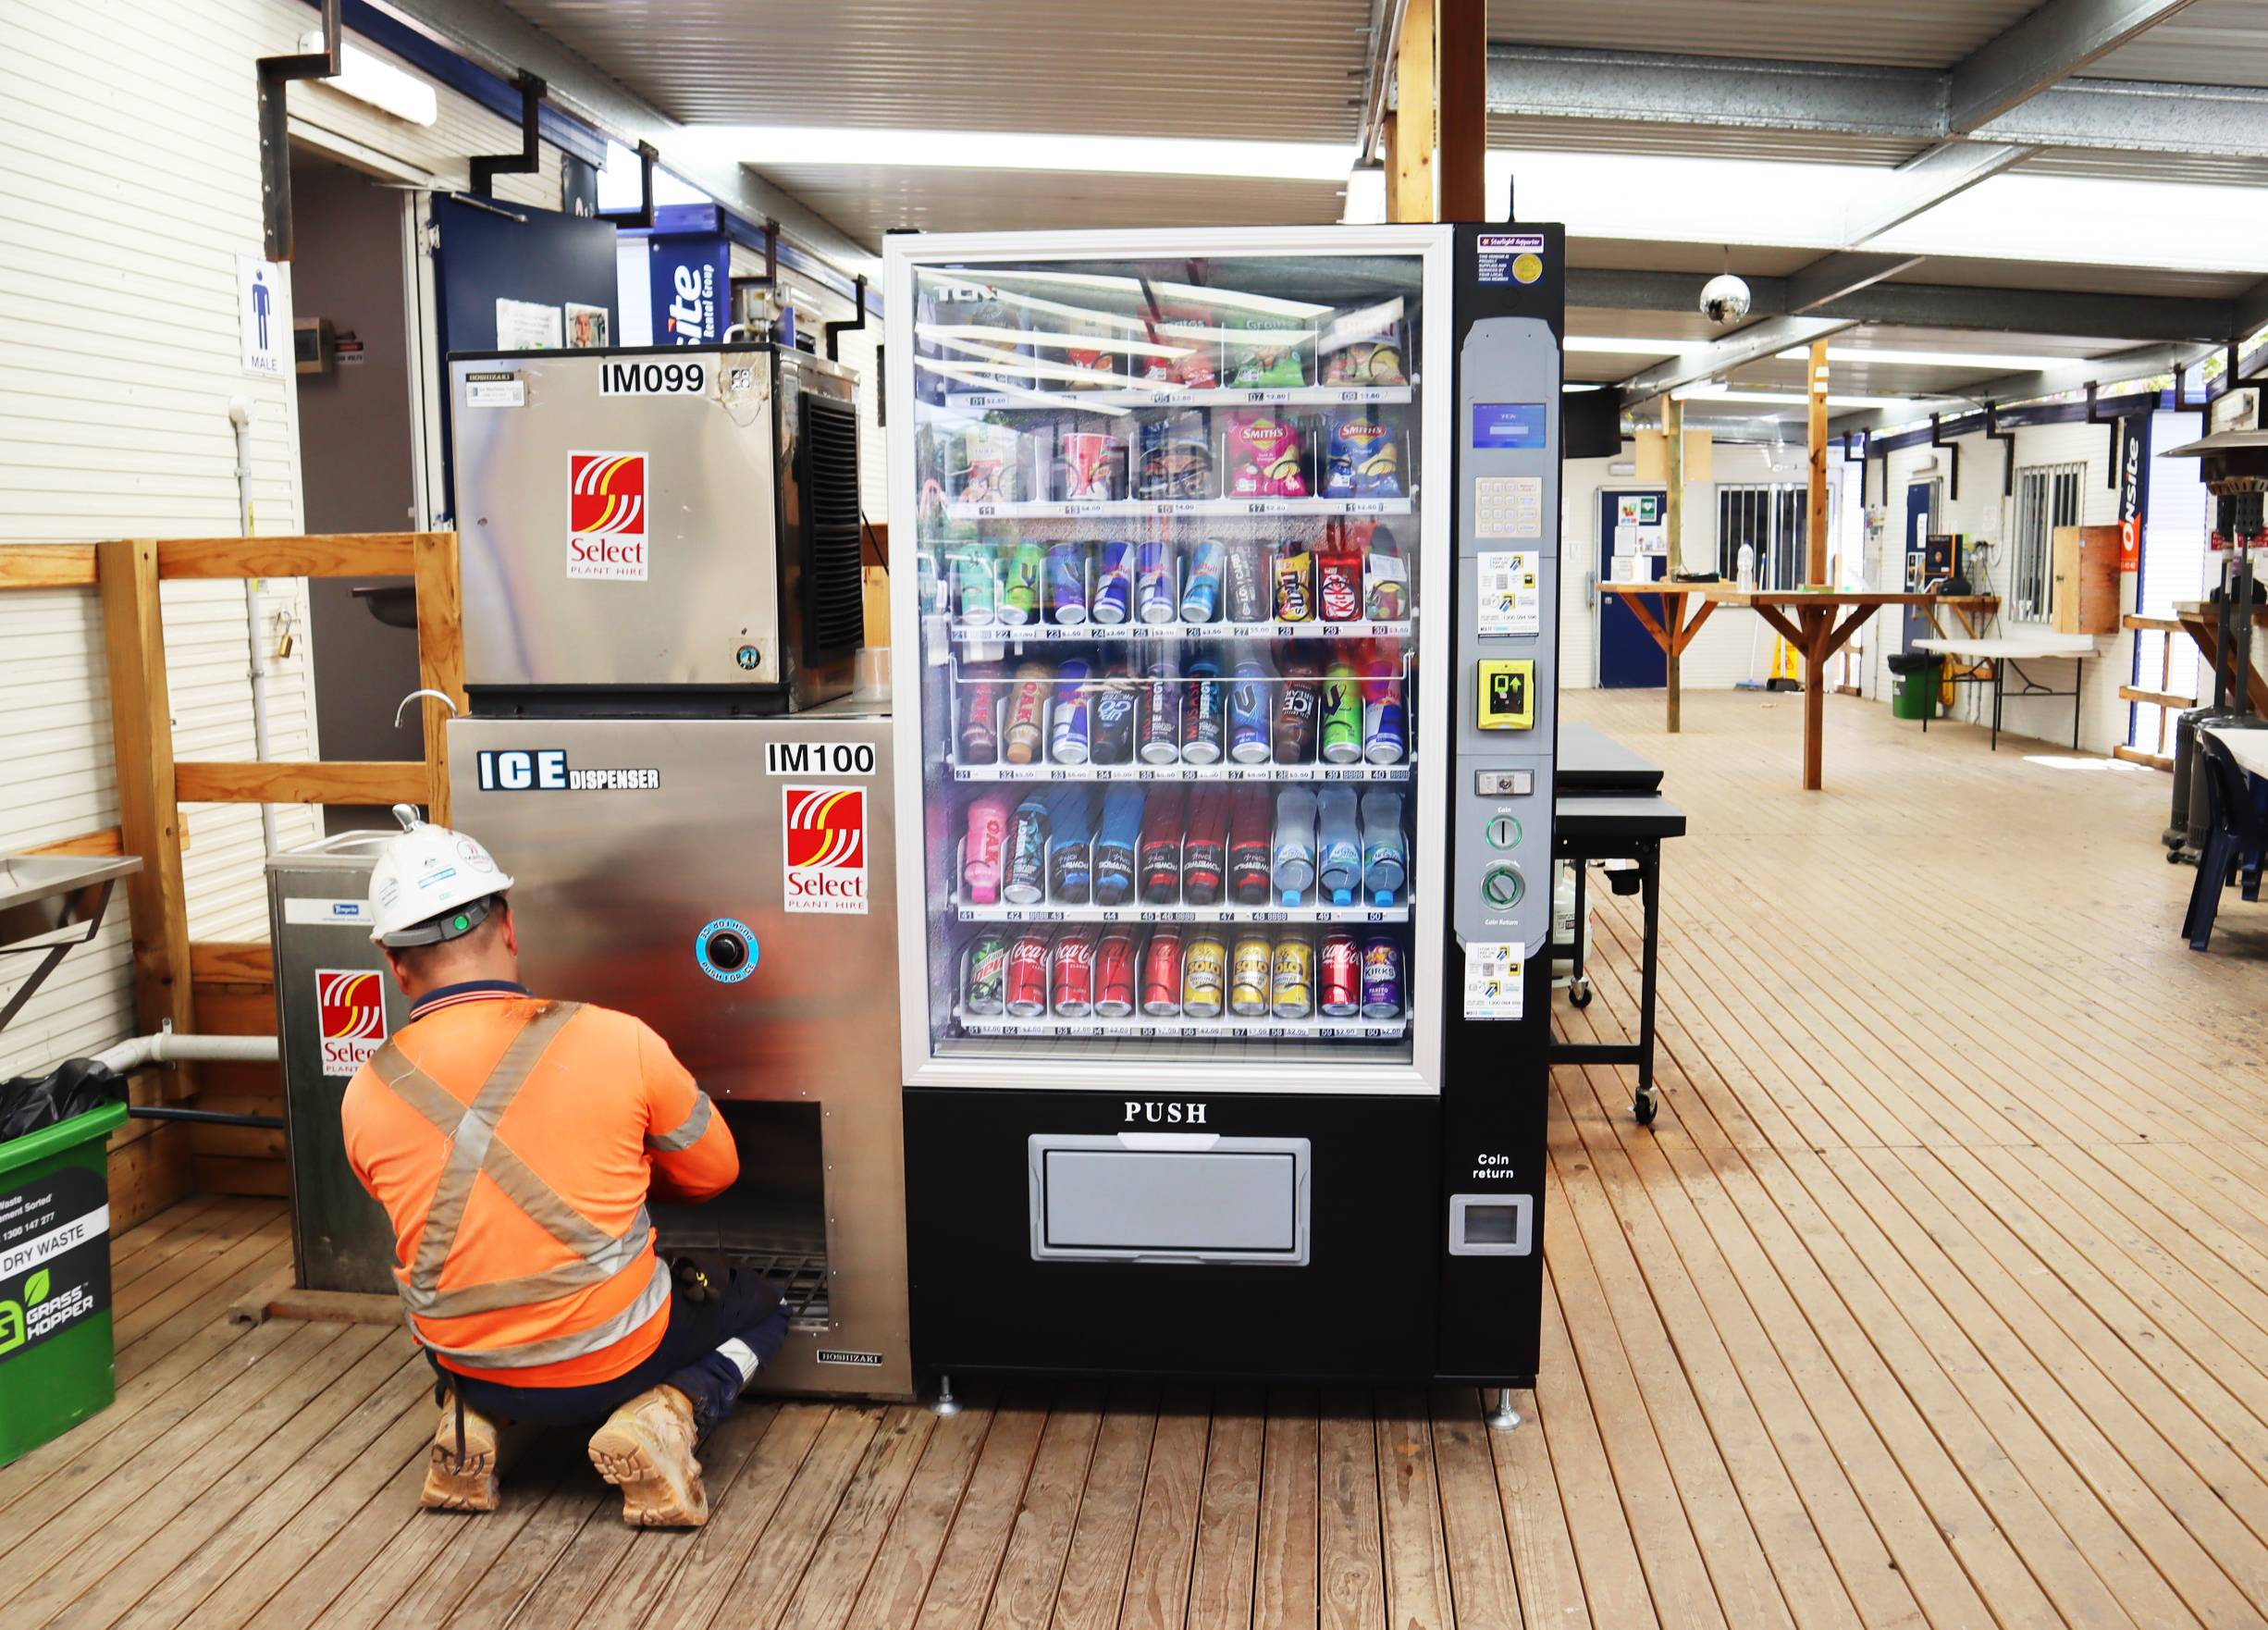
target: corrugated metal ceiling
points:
(1696, 142)
(2085, 280)
(1912, 33)
(1196, 68)
(2213, 43)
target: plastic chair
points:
(2235, 844)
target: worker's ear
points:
(401, 976)
(510, 929)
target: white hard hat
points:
(422, 876)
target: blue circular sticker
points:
(727, 950)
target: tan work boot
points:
(646, 1450)
(463, 1482)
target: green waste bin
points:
(1916, 693)
(56, 1357)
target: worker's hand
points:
(700, 1279)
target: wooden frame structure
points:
(169, 972)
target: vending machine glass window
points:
(1177, 522)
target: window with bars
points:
(1773, 520)
(2047, 497)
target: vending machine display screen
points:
(1513, 425)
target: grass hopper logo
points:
(353, 1005)
(55, 1258)
(826, 848)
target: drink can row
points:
(1081, 972)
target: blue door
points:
(1920, 501)
(1628, 658)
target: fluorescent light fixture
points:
(1999, 362)
(1365, 195)
(1720, 393)
(372, 79)
(1609, 346)
(796, 145)
(1571, 389)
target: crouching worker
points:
(511, 1140)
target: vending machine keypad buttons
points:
(1506, 687)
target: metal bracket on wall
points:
(486, 166)
(834, 330)
(2116, 422)
(276, 72)
(1866, 441)
(644, 215)
(2202, 406)
(1937, 440)
(2007, 438)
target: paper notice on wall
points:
(1630, 567)
(1494, 977)
(1509, 599)
(522, 326)
(1651, 540)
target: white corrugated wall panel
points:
(118, 355)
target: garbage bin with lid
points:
(55, 1355)
(1919, 674)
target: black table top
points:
(1591, 761)
(1617, 816)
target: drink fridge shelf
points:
(1139, 633)
(1202, 509)
(1139, 1027)
(1056, 401)
(1073, 773)
(1270, 915)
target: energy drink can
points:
(1071, 717)
(1027, 867)
(1066, 583)
(1248, 713)
(1019, 592)
(1158, 727)
(1114, 584)
(1205, 967)
(1027, 715)
(1162, 974)
(1113, 724)
(979, 700)
(1200, 584)
(1294, 977)
(1296, 709)
(1244, 572)
(1340, 996)
(1071, 977)
(1382, 993)
(986, 991)
(1342, 716)
(1153, 581)
(1201, 714)
(1295, 596)
(1026, 985)
(1114, 974)
(1249, 973)
(1364, 460)
(974, 570)
(1386, 726)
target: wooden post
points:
(1815, 536)
(1816, 621)
(1409, 184)
(1462, 55)
(440, 656)
(150, 827)
(1673, 530)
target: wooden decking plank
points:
(1286, 1547)
(1543, 1555)
(1093, 1588)
(831, 1580)
(1476, 1549)
(1606, 1552)
(1415, 1549)
(1157, 1586)
(892, 1595)
(1222, 1571)
(576, 1500)
(989, 1510)
(221, 1229)
(246, 1262)
(1046, 1513)
(416, 1584)
(1351, 1561)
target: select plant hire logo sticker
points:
(353, 1005)
(606, 516)
(826, 848)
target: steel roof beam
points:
(2006, 388)
(1758, 342)
(2060, 39)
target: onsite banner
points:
(2133, 492)
(690, 278)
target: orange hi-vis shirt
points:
(513, 1142)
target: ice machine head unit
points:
(670, 531)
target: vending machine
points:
(1224, 690)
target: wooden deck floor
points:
(1938, 1295)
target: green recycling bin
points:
(1917, 694)
(56, 1357)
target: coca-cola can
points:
(1115, 977)
(1340, 985)
(1073, 973)
(1027, 981)
(1162, 974)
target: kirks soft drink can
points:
(1019, 593)
(1162, 974)
(1066, 583)
(1114, 584)
(1202, 712)
(1115, 973)
(1026, 978)
(1071, 719)
(986, 992)
(1072, 976)
(1340, 993)
(1248, 967)
(1294, 977)
(1382, 993)
(1204, 968)
(1153, 581)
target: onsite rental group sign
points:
(690, 278)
